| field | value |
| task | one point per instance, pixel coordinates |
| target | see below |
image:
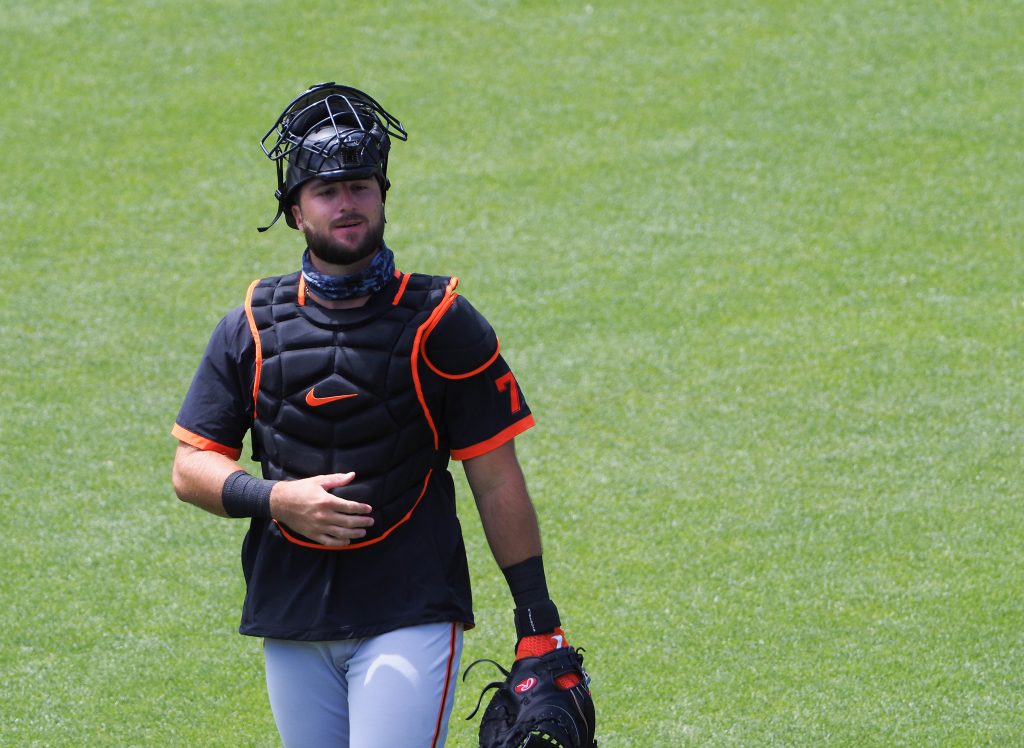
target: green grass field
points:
(758, 267)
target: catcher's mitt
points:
(528, 710)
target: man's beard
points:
(330, 250)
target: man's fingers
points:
(338, 537)
(350, 518)
(335, 480)
(343, 505)
(342, 536)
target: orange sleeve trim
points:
(200, 442)
(256, 340)
(495, 441)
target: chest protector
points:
(340, 391)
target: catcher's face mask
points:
(332, 132)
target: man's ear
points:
(296, 215)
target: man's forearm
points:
(510, 525)
(506, 512)
(198, 477)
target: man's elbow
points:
(181, 473)
(178, 481)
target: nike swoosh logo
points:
(314, 402)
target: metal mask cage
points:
(342, 107)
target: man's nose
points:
(346, 197)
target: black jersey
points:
(417, 572)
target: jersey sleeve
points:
(484, 404)
(485, 411)
(217, 410)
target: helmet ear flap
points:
(286, 211)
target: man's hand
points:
(306, 507)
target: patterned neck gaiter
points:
(368, 281)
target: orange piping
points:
(446, 689)
(256, 339)
(446, 302)
(466, 375)
(363, 544)
(401, 289)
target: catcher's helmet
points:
(332, 132)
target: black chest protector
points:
(341, 391)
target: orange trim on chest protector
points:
(256, 339)
(353, 546)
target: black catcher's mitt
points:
(528, 710)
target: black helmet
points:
(333, 132)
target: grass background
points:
(757, 266)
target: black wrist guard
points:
(526, 581)
(535, 613)
(244, 495)
(539, 618)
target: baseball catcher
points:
(358, 385)
(543, 702)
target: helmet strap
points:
(278, 194)
(280, 213)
